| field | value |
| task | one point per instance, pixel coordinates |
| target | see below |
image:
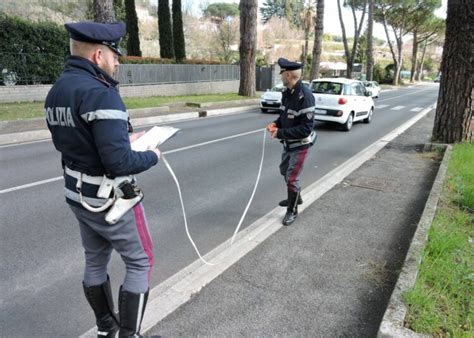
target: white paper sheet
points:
(153, 138)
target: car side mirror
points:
(367, 93)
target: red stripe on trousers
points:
(144, 235)
(298, 166)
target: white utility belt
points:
(310, 139)
(120, 194)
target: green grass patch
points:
(27, 110)
(156, 101)
(440, 304)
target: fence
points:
(170, 73)
(28, 69)
(42, 68)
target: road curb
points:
(44, 134)
(392, 324)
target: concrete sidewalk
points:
(332, 272)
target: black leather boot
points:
(131, 309)
(292, 209)
(284, 203)
(101, 301)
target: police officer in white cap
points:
(295, 129)
(89, 125)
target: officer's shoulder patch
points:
(309, 115)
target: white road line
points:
(54, 179)
(179, 288)
(416, 109)
(397, 108)
(409, 93)
(381, 106)
(29, 185)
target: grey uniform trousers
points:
(291, 167)
(129, 237)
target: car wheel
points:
(368, 119)
(348, 125)
(264, 110)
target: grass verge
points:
(441, 302)
(28, 110)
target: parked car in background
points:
(271, 99)
(437, 79)
(373, 87)
(343, 101)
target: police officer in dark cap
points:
(89, 125)
(295, 129)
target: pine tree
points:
(178, 33)
(164, 30)
(133, 43)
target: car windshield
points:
(277, 89)
(326, 87)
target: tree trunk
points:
(414, 56)
(456, 94)
(178, 32)
(350, 54)
(419, 73)
(133, 42)
(104, 11)
(248, 46)
(370, 52)
(164, 30)
(344, 38)
(318, 39)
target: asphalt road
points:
(41, 259)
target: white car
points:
(271, 99)
(343, 101)
(373, 87)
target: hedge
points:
(34, 52)
(152, 60)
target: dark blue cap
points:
(286, 64)
(108, 34)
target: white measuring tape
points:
(243, 215)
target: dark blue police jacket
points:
(89, 123)
(296, 120)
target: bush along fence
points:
(31, 53)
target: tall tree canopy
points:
(178, 32)
(133, 42)
(164, 30)
(454, 112)
(221, 10)
(285, 9)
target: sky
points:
(331, 16)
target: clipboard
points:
(153, 138)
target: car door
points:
(356, 99)
(363, 102)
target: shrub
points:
(34, 51)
